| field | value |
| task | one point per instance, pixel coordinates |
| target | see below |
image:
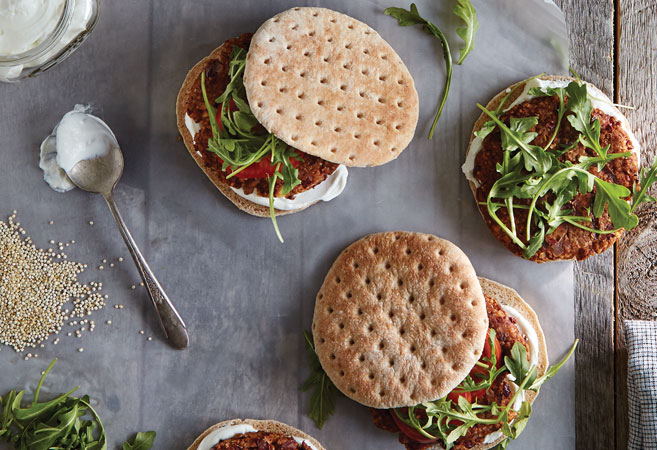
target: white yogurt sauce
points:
(26, 24)
(324, 191)
(598, 100)
(229, 431)
(79, 136)
(528, 330)
(192, 126)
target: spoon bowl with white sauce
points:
(89, 154)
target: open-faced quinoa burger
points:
(447, 360)
(238, 434)
(274, 118)
(554, 168)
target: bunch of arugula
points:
(464, 10)
(529, 172)
(57, 424)
(446, 421)
(238, 139)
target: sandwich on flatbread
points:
(274, 118)
(554, 169)
(238, 434)
(403, 325)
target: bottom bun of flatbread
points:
(269, 426)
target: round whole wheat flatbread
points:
(329, 85)
(515, 92)
(400, 319)
(509, 297)
(270, 426)
(218, 58)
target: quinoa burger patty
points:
(567, 241)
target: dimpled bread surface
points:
(329, 85)
(400, 319)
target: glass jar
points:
(35, 35)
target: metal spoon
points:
(100, 176)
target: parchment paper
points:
(245, 296)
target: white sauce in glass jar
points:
(34, 32)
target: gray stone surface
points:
(245, 296)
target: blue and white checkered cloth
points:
(641, 340)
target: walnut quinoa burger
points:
(274, 118)
(554, 168)
(403, 325)
(251, 434)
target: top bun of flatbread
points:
(270, 426)
(329, 85)
(400, 319)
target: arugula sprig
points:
(322, 401)
(57, 424)
(239, 141)
(464, 10)
(530, 172)
(447, 421)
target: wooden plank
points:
(591, 32)
(637, 251)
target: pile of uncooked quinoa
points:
(39, 290)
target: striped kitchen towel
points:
(641, 340)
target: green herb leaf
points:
(142, 441)
(612, 195)
(412, 17)
(467, 12)
(580, 106)
(646, 180)
(324, 395)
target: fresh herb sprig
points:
(65, 422)
(322, 401)
(238, 140)
(463, 10)
(447, 421)
(530, 172)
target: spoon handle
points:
(172, 324)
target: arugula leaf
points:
(580, 106)
(467, 12)
(412, 17)
(612, 195)
(142, 441)
(646, 180)
(322, 401)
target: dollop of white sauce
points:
(52, 173)
(79, 136)
(529, 332)
(325, 191)
(598, 101)
(26, 24)
(192, 126)
(229, 431)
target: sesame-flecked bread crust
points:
(270, 426)
(517, 89)
(192, 80)
(400, 319)
(329, 85)
(509, 297)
